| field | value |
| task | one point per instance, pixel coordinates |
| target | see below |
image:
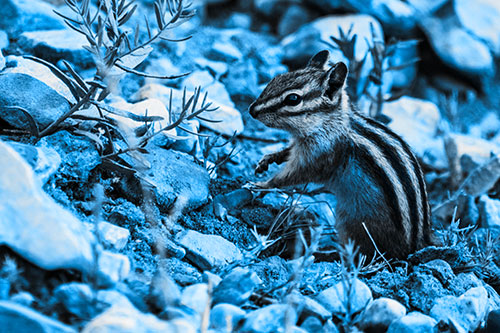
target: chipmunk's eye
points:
(292, 100)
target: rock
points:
(28, 15)
(437, 268)
(163, 291)
(381, 313)
(76, 298)
(40, 72)
(78, 155)
(43, 104)
(224, 52)
(396, 16)
(216, 68)
(182, 272)
(307, 307)
(234, 200)
(465, 312)
(176, 178)
(312, 324)
(162, 66)
(238, 20)
(196, 297)
(479, 150)
(26, 207)
(413, 322)
(113, 236)
(269, 319)
(112, 268)
(294, 16)
(334, 298)
(490, 211)
(54, 45)
(225, 317)
(211, 278)
(43, 160)
(2, 60)
(422, 286)
(208, 251)
(236, 287)
(300, 46)
(417, 121)
(241, 81)
(18, 318)
(457, 48)
(426, 7)
(216, 90)
(124, 317)
(269, 8)
(23, 298)
(230, 118)
(4, 41)
(481, 19)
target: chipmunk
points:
(373, 173)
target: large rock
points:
(465, 312)
(124, 317)
(54, 45)
(28, 15)
(416, 121)
(29, 217)
(176, 178)
(230, 118)
(335, 298)
(414, 322)
(18, 318)
(480, 17)
(208, 251)
(236, 287)
(269, 319)
(456, 47)
(44, 104)
(490, 211)
(381, 313)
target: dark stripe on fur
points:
(371, 166)
(402, 173)
(418, 173)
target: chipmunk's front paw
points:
(263, 165)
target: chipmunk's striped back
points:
(372, 171)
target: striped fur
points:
(372, 171)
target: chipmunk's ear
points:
(319, 60)
(335, 78)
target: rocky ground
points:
(114, 220)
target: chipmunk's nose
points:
(252, 111)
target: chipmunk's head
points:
(300, 101)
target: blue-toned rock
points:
(29, 218)
(414, 322)
(236, 287)
(208, 251)
(76, 298)
(54, 45)
(334, 298)
(28, 15)
(18, 318)
(269, 319)
(381, 313)
(220, 314)
(490, 211)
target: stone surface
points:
(163, 291)
(479, 150)
(18, 318)
(457, 48)
(493, 322)
(225, 316)
(480, 17)
(113, 236)
(336, 298)
(465, 312)
(44, 104)
(417, 121)
(112, 268)
(413, 322)
(43, 160)
(176, 178)
(54, 45)
(124, 317)
(208, 251)
(76, 298)
(307, 307)
(196, 297)
(381, 313)
(236, 287)
(29, 217)
(427, 7)
(28, 15)
(490, 211)
(230, 118)
(271, 318)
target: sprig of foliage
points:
(380, 52)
